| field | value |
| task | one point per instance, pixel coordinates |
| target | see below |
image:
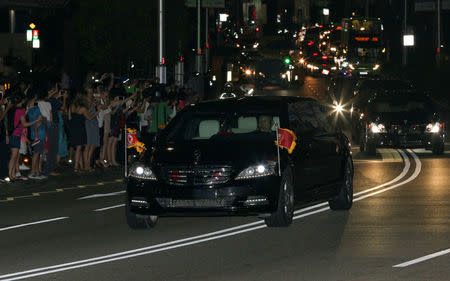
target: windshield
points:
(404, 104)
(225, 126)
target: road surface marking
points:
(108, 208)
(389, 155)
(399, 177)
(32, 223)
(37, 194)
(412, 177)
(181, 243)
(102, 195)
(424, 258)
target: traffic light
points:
(287, 61)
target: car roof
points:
(249, 102)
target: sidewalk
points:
(67, 180)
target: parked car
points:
(220, 158)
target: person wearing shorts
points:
(20, 123)
(38, 145)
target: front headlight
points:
(376, 67)
(257, 171)
(351, 66)
(139, 171)
(377, 128)
(433, 128)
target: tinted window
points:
(307, 118)
(205, 125)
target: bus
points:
(363, 48)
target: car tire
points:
(285, 209)
(136, 221)
(371, 147)
(344, 200)
(437, 145)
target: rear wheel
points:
(136, 221)
(344, 199)
(285, 210)
(371, 147)
(437, 145)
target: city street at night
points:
(400, 215)
(224, 140)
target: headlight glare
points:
(139, 171)
(377, 128)
(257, 171)
(433, 128)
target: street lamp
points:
(326, 11)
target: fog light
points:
(256, 200)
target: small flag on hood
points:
(132, 141)
(286, 139)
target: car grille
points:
(407, 129)
(198, 175)
(198, 203)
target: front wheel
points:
(136, 221)
(437, 145)
(344, 199)
(285, 210)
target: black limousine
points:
(219, 158)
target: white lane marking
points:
(32, 223)
(424, 258)
(399, 177)
(109, 208)
(389, 155)
(175, 244)
(101, 195)
(412, 177)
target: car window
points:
(199, 126)
(307, 118)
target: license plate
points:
(363, 73)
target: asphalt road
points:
(73, 228)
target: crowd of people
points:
(51, 126)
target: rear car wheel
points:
(285, 210)
(371, 147)
(437, 145)
(344, 199)
(136, 221)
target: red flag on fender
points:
(131, 138)
(286, 139)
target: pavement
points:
(397, 229)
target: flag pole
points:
(278, 152)
(126, 152)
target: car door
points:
(306, 157)
(330, 147)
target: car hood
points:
(207, 152)
(397, 118)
